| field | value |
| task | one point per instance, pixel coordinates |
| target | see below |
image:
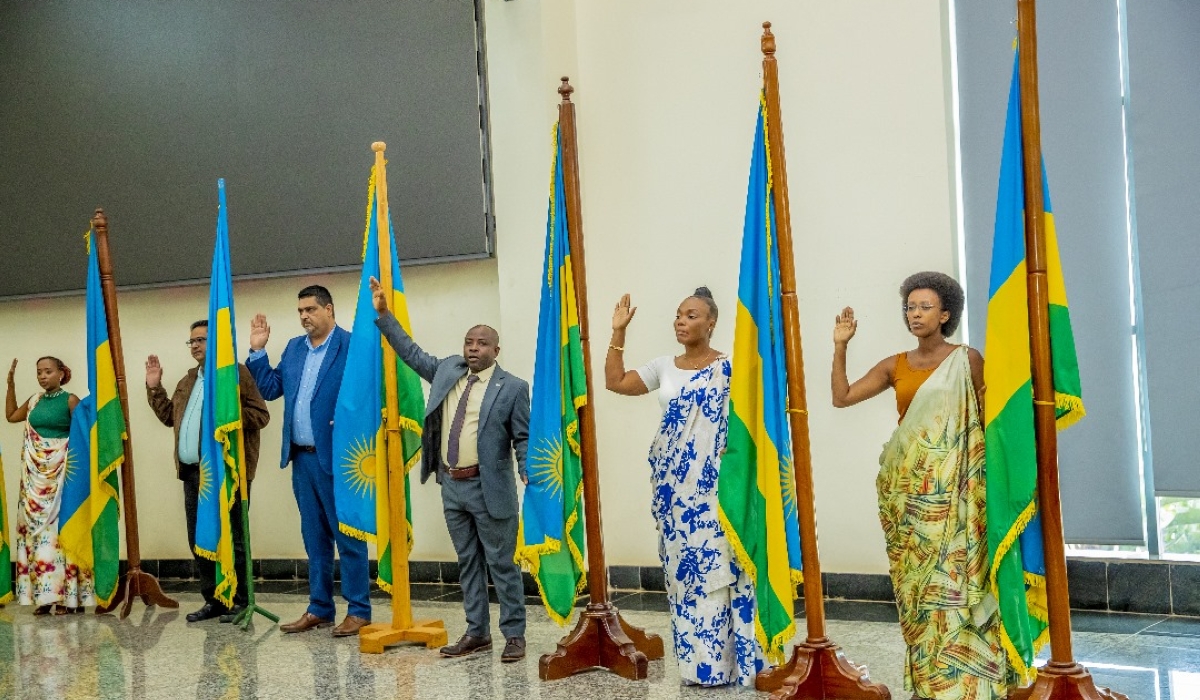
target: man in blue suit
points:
(308, 377)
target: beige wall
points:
(666, 93)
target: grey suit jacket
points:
(503, 418)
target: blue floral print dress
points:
(711, 598)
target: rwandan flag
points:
(756, 490)
(6, 583)
(360, 483)
(90, 514)
(553, 511)
(221, 442)
(1014, 529)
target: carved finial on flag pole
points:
(768, 40)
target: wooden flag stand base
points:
(818, 669)
(373, 639)
(136, 583)
(1064, 681)
(601, 638)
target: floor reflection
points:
(155, 654)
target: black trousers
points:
(205, 569)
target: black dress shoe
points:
(467, 645)
(233, 612)
(514, 650)
(209, 611)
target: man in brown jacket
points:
(182, 411)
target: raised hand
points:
(378, 298)
(260, 332)
(844, 326)
(12, 371)
(154, 372)
(623, 314)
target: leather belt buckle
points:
(462, 473)
(303, 448)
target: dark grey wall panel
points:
(139, 106)
(1164, 62)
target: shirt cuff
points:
(255, 354)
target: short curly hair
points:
(949, 292)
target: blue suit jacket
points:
(284, 380)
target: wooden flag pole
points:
(1062, 677)
(135, 583)
(818, 668)
(372, 639)
(601, 638)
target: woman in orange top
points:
(932, 495)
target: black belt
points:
(303, 448)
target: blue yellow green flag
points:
(221, 442)
(551, 538)
(90, 515)
(6, 582)
(756, 490)
(361, 473)
(1017, 575)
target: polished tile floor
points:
(156, 654)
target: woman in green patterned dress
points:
(932, 495)
(44, 576)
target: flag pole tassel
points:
(135, 583)
(1062, 678)
(374, 638)
(818, 669)
(601, 638)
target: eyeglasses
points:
(195, 341)
(923, 308)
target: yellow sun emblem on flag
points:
(546, 466)
(204, 483)
(787, 483)
(359, 466)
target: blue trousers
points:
(319, 527)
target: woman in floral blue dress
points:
(711, 597)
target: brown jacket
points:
(255, 415)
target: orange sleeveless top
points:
(906, 381)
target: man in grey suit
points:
(477, 417)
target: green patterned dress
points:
(932, 508)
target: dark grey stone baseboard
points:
(1153, 587)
